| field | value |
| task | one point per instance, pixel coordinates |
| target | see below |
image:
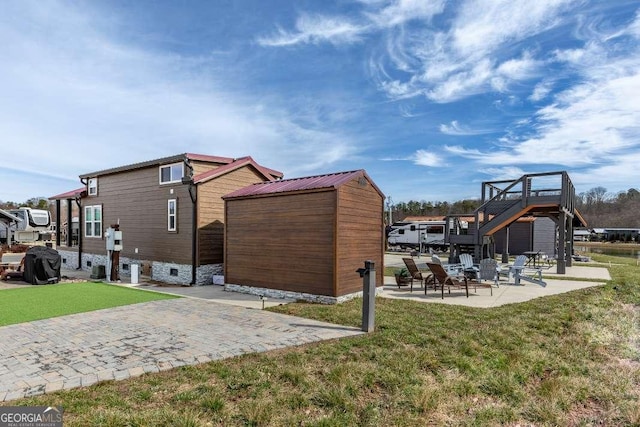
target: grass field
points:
(42, 302)
(571, 360)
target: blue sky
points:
(430, 97)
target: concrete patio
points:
(506, 293)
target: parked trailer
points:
(33, 226)
(420, 235)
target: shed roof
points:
(308, 183)
(80, 192)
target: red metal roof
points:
(175, 159)
(207, 158)
(318, 182)
(69, 194)
(269, 174)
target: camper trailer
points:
(420, 235)
(33, 226)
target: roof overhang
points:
(7, 217)
(73, 194)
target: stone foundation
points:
(160, 271)
(277, 293)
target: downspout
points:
(80, 231)
(193, 194)
(80, 228)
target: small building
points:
(304, 238)
(169, 210)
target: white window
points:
(93, 221)
(171, 173)
(172, 215)
(93, 186)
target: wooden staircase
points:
(503, 202)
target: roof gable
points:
(309, 183)
(268, 174)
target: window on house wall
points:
(93, 186)
(172, 215)
(171, 173)
(93, 221)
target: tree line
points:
(598, 207)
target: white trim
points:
(173, 215)
(172, 179)
(89, 225)
(92, 184)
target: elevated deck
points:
(548, 194)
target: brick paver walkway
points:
(82, 349)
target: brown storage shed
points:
(304, 237)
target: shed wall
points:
(520, 238)
(282, 242)
(544, 235)
(360, 234)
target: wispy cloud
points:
(541, 90)
(316, 29)
(456, 129)
(427, 158)
(311, 29)
(421, 158)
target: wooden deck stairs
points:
(548, 194)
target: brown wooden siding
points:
(211, 211)
(360, 234)
(140, 203)
(281, 242)
(200, 167)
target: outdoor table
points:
(534, 257)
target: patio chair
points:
(470, 270)
(414, 272)
(519, 271)
(442, 279)
(449, 268)
(489, 270)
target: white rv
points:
(33, 226)
(421, 235)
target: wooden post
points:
(562, 245)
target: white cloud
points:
(483, 26)
(595, 121)
(427, 158)
(333, 29)
(456, 129)
(316, 29)
(541, 90)
(401, 11)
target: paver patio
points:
(117, 343)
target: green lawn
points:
(570, 360)
(42, 302)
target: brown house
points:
(304, 238)
(169, 210)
